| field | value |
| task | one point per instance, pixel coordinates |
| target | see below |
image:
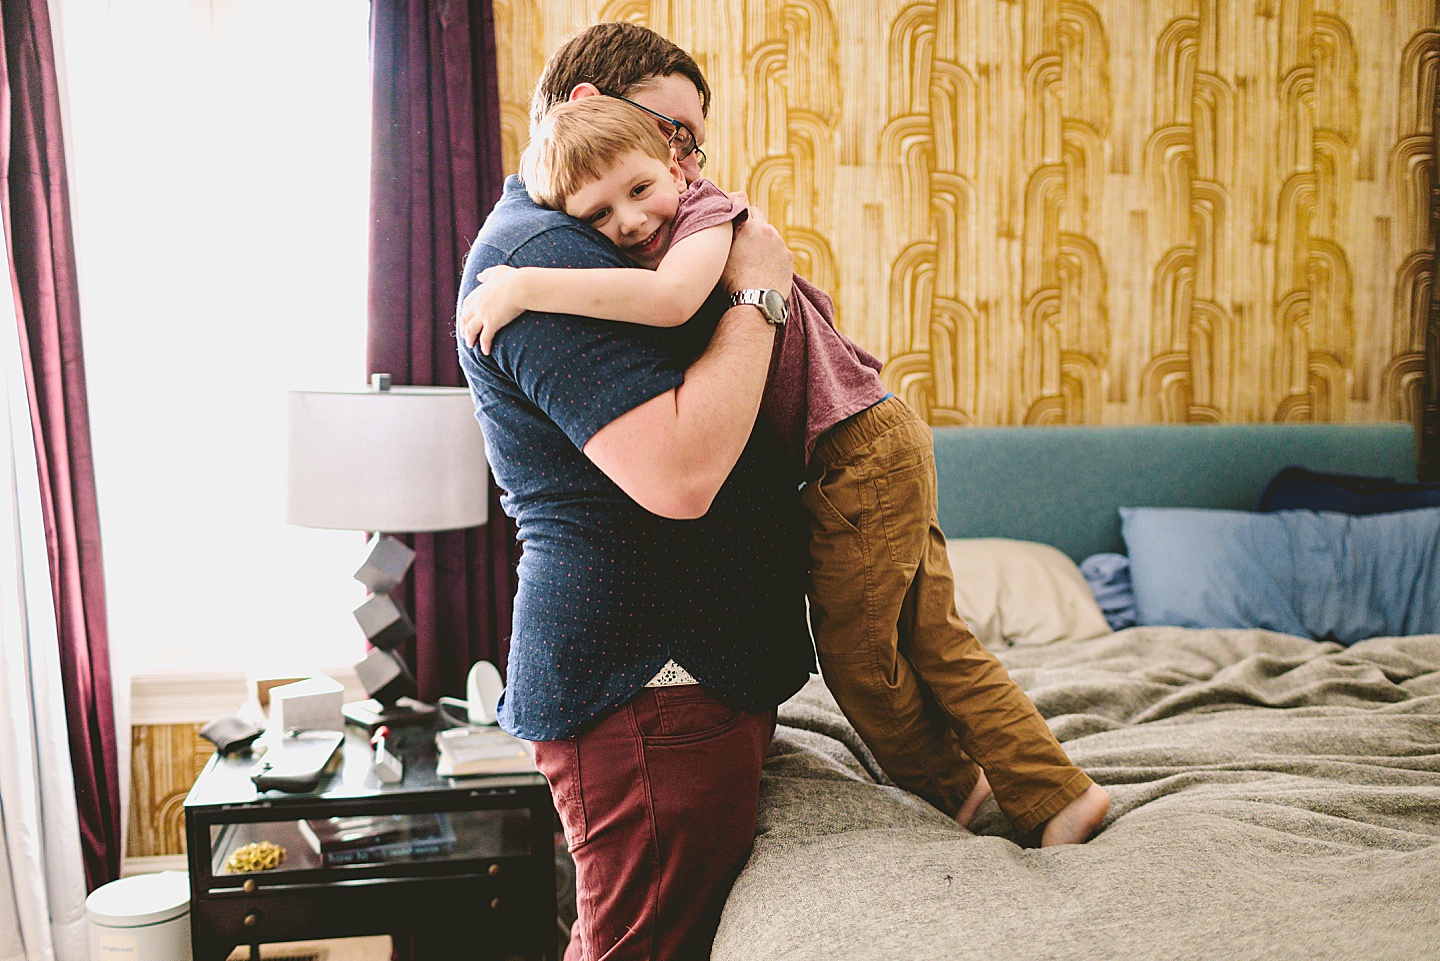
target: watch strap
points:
(756, 297)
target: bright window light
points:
(219, 178)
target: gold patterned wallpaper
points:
(165, 760)
(1079, 211)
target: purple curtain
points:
(1430, 415)
(36, 211)
(435, 172)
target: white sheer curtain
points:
(42, 874)
(220, 189)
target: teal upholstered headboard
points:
(1062, 485)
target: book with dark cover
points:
(405, 849)
(330, 835)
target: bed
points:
(1273, 796)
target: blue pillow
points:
(1109, 578)
(1296, 488)
(1323, 575)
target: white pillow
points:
(1022, 593)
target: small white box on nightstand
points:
(310, 705)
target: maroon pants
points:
(658, 802)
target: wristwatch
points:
(771, 303)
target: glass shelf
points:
(386, 839)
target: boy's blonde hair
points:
(580, 140)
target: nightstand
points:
(468, 860)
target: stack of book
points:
(469, 751)
(370, 838)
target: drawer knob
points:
(251, 920)
(495, 904)
(494, 870)
(250, 886)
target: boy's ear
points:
(584, 90)
(677, 173)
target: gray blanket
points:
(1272, 798)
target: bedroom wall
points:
(1061, 211)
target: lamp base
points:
(371, 714)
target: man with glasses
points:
(660, 615)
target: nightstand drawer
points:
(357, 908)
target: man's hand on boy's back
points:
(758, 257)
(739, 198)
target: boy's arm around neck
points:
(667, 296)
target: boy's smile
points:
(633, 204)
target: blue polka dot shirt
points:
(608, 592)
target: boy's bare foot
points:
(978, 794)
(1078, 819)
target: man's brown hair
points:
(579, 141)
(615, 56)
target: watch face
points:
(774, 306)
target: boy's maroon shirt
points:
(818, 377)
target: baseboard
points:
(169, 862)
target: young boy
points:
(890, 642)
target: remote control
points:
(296, 762)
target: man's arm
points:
(672, 453)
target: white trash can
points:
(141, 918)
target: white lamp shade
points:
(399, 460)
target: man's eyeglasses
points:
(682, 138)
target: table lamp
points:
(386, 460)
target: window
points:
(219, 163)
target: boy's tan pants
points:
(924, 694)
